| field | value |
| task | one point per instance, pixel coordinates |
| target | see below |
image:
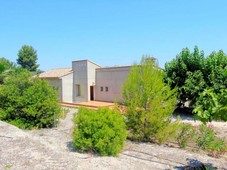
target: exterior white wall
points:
(112, 78)
(67, 88)
(56, 82)
(84, 76)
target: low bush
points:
(185, 133)
(102, 131)
(202, 137)
(208, 141)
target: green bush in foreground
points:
(102, 131)
(28, 103)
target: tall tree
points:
(149, 101)
(27, 58)
(186, 73)
(191, 73)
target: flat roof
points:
(113, 67)
(87, 61)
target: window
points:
(78, 92)
(106, 89)
(101, 89)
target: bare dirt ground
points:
(52, 149)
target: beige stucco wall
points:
(56, 82)
(112, 78)
(67, 88)
(84, 76)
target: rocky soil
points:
(52, 149)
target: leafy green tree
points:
(5, 66)
(191, 73)
(27, 58)
(27, 102)
(184, 72)
(194, 85)
(211, 106)
(215, 70)
(149, 101)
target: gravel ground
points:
(52, 149)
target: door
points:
(91, 92)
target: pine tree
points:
(27, 58)
(150, 102)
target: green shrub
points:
(185, 132)
(102, 131)
(207, 140)
(204, 138)
(28, 103)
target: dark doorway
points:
(91, 92)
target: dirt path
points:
(52, 149)
(58, 138)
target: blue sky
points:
(110, 32)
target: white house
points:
(62, 79)
(87, 81)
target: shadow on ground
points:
(194, 164)
(184, 113)
(70, 146)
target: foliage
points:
(194, 85)
(149, 101)
(5, 65)
(192, 73)
(185, 132)
(203, 137)
(102, 131)
(8, 166)
(64, 112)
(180, 69)
(168, 133)
(219, 150)
(207, 140)
(215, 70)
(27, 102)
(27, 58)
(211, 106)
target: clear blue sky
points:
(110, 32)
